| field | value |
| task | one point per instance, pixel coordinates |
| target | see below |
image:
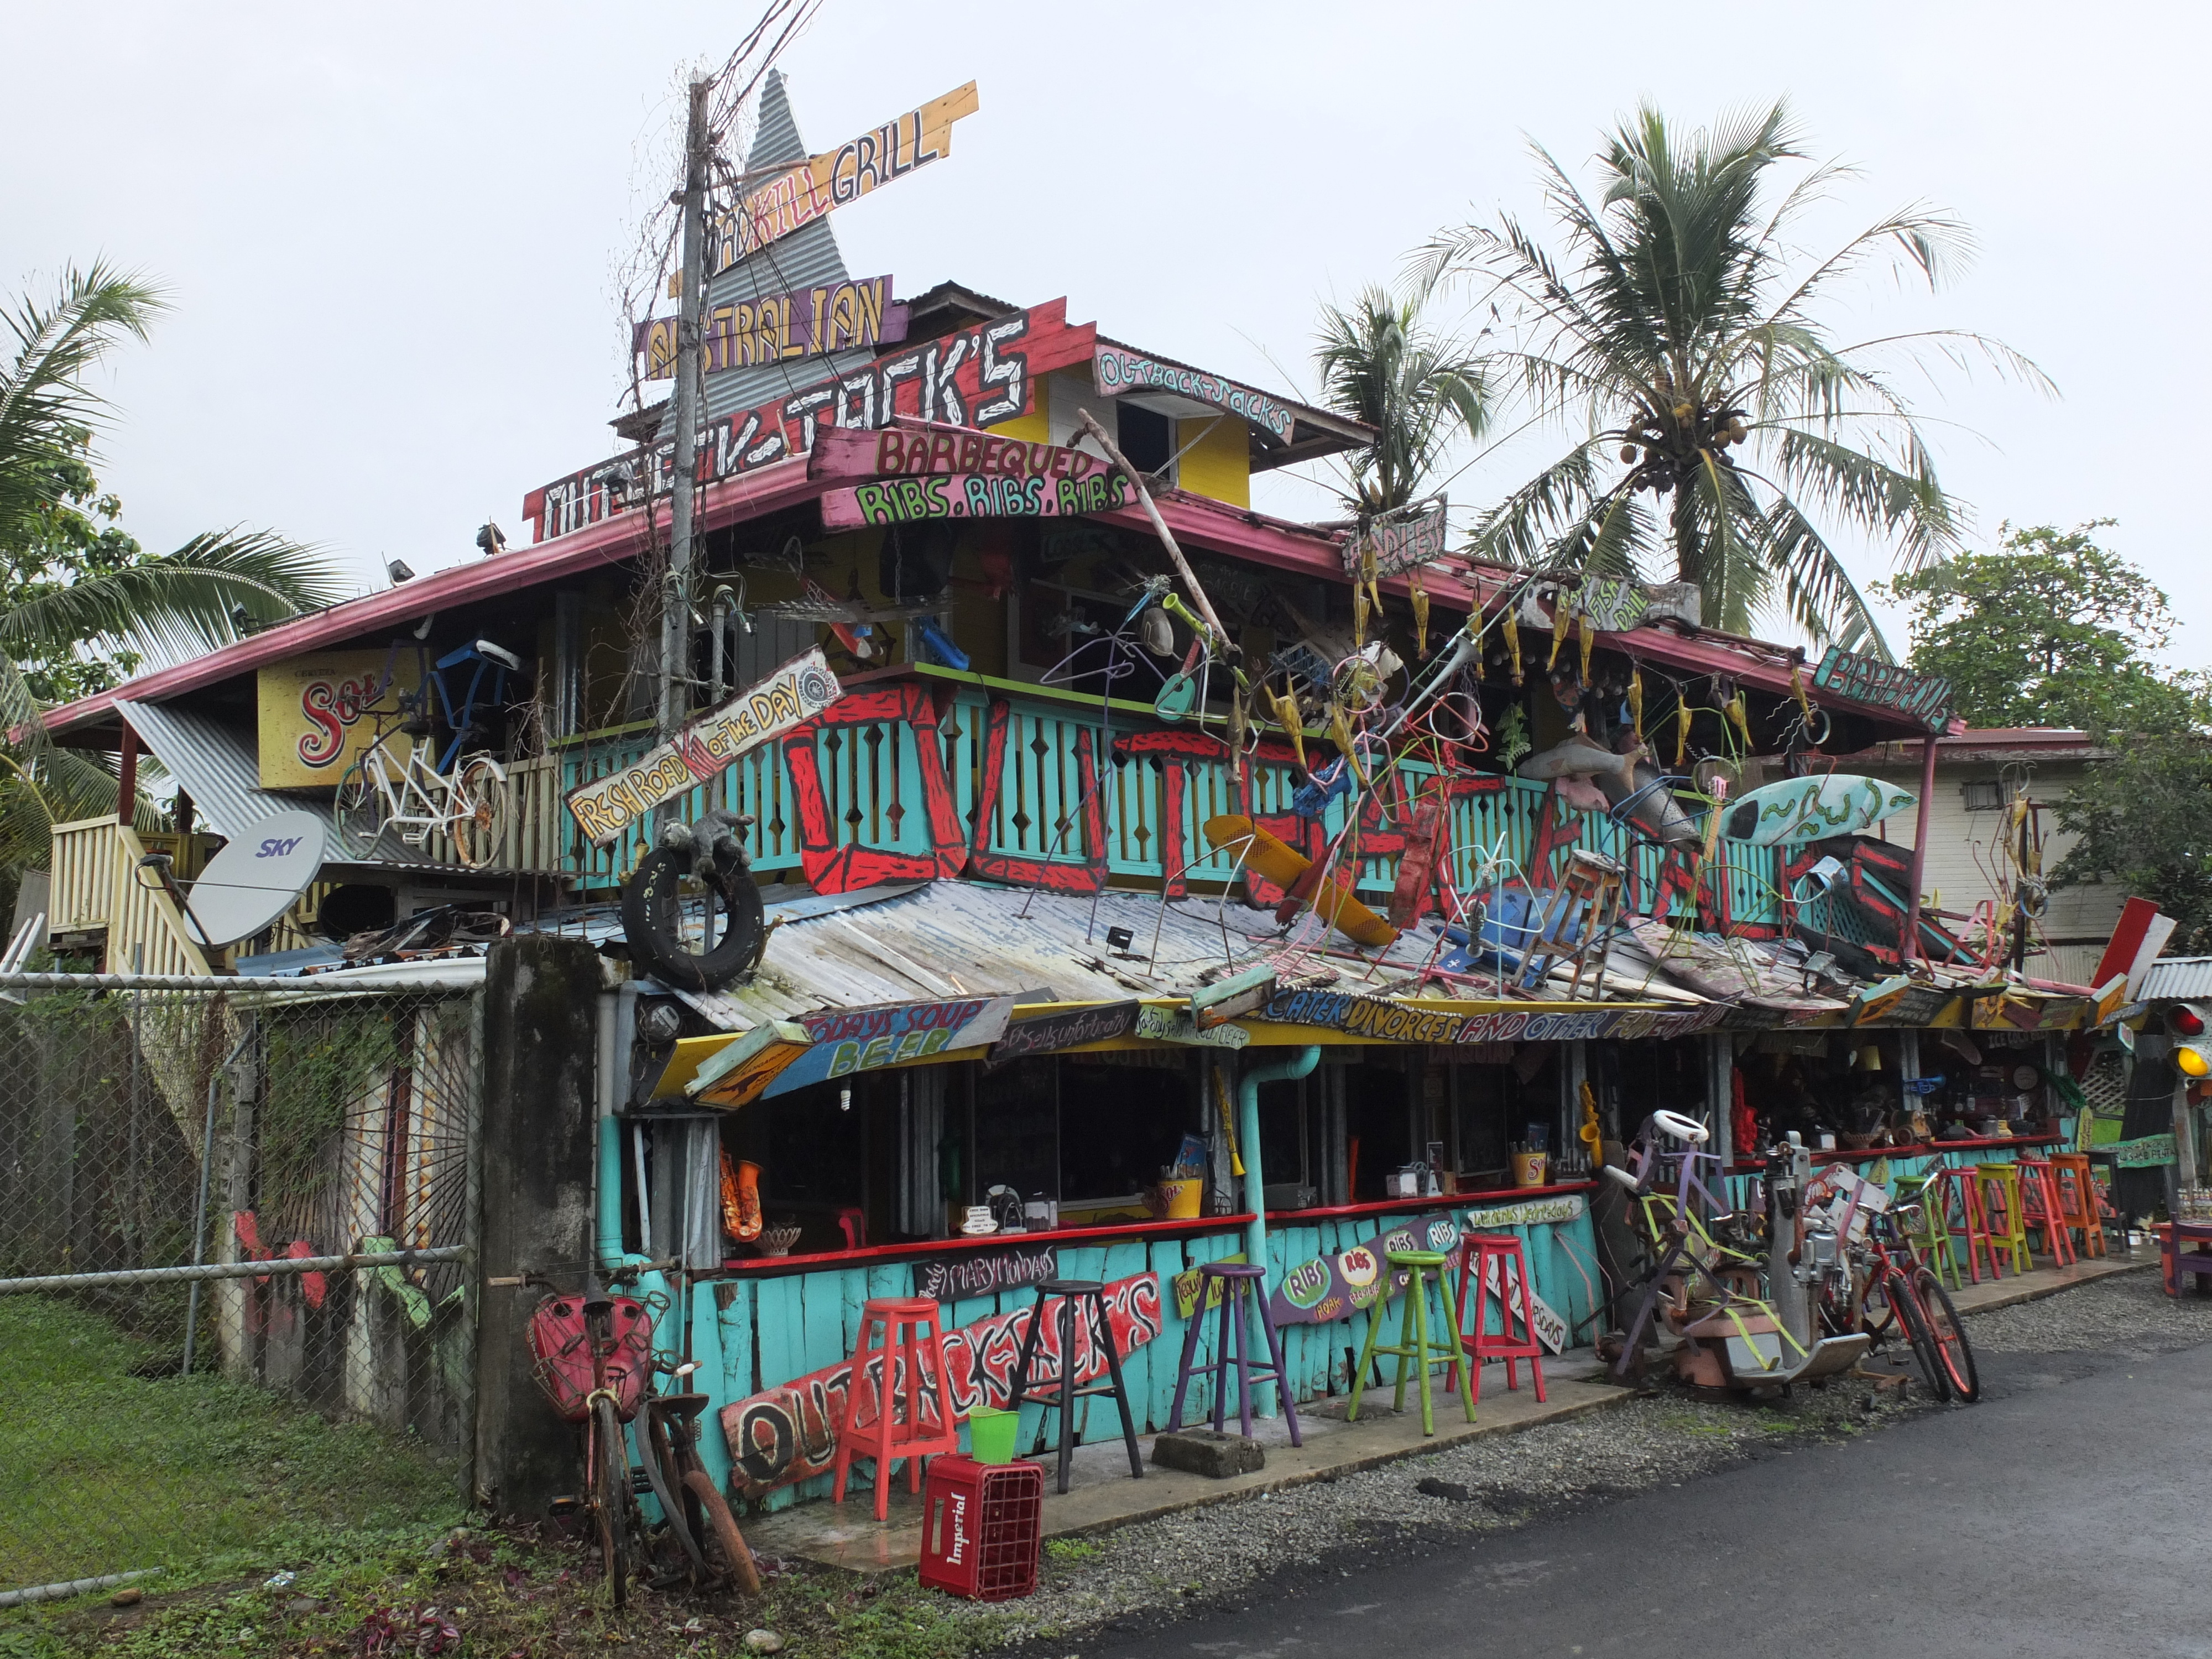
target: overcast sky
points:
(390, 232)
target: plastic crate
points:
(981, 1527)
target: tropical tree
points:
(80, 601)
(1418, 389)
(1725, 437)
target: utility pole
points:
(676, 600)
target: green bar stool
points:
(1930, 1236)
(1415, 1347)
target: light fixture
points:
(489, 539)
(397, 570)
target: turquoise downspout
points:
(1255, 1184)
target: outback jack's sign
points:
(605, 808)
(1116, 370)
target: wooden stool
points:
(2006, 1213)
(1062, 1392)
(912, 1336)
(1959, 1186)
(1928, 1237)
(1240, 1288)
(2077, 1199)
(1482, 1254)
(1413, 1346)
(2175, 1263)
(2038, 1194)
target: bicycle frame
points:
(410, 788)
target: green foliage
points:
(2144, 817)
(1418, 389)
(1681, 333)
(2051, 629)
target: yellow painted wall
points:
(1219, 464)
(1034, 428)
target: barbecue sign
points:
(971, 495)
(606, 808)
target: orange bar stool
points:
(901, 1409)
(2077, 1199)
(2006, 1215)
(1962, 1194)
(2038, 1193)
(1483, 1256)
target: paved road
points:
(2069, 1514)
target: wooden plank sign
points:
(736, 1075)
(849, 1040)
(1333, 1287)
(1401, 541)
(1527, 1213)
(1117, 369)
(1924, 697)
(607, 807)
(971, 495)
(854, 315)
(984, 1273)
(1505, 1284)
(913, 449)
(1051, 1032)
(789, 1432)
(824, 183)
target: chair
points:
(2006, 1214)
(1415, 1347)
(2077, 1200)
(1483, 1256)
(929, 1426)
(2043, 1213)
(1061, 1393)
(1240, 1288)
(1960, 1188)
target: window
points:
(1983, 795)
(1146, 438)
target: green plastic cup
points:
(991, 1435)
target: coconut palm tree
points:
(1418, 389)
(1725, 434)
(80, 601)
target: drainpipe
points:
(1255, 1181)
(1910, 944)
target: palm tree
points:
(1680, 333)
(1418, 390)
(79, 600)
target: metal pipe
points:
(67, 1587)
(317, 984)
(199, 1211)
(201, 1273)
(1910, 946)
(1255, 1181)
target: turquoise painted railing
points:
(872, 775)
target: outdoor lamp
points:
(2186, 1019)
(2192, 1053)
(2193, 1059)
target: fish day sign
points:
(606, 808)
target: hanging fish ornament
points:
(1340, 732)
(1587, 638)
(1636, 702)
(1681, 729)
(1286, 704)
(1737, 713)
(1420, 595)
(1562, 620)
(1512, 629)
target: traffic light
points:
(2188, 1023)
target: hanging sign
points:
(1332, 1287)
(917, 448)
(1924, 697)
(735, 1075)
(1529, 1212)
(986, 1272)
(1175, 1026)
(1117, 369)
(1049, 1032)
(1385, 1021)
(314, 714)
(1399, 541)
(605, 808)
(849, 1040)
(972, 496)
(789, 1432)
(821, 184)
(854, 315)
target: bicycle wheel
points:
(722, 1526)
(1913, 1318)
(359, 808)
(478, 804)
(610, 1498)
(1948, 1337)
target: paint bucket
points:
(1179, 1200)
(1529, 1168)
(991, 1435)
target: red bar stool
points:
(1962, 1192)
(2044, 1213)
(909, 1369)
(1478, 1252)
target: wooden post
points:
(676, 599)
(1085, 420)
(1910, 946)
(126, 782)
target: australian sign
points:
(789, 1431)
(1116, 370)
(821, 184)
(1398, 541)
(978, 377)
(854, 315)
(605, 808)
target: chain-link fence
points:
(233, 1308)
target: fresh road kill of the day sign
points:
(605, 808)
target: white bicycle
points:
(385, 789)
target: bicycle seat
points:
(686, 1405)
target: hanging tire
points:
(654, 923)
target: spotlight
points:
(397, 570)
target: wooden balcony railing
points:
(97, 887)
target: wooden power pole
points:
(676, 600)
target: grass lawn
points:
(102, 1472)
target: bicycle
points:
(1868, 1288)
(383, 789)
(696, 1513)
(593, 1356)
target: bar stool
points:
(2077, 1199)
(930, 1425)
(1060, 1393)
(1240, 1285)
(2006, 1213)
(1929, 1236)
(1413, 1346)
(1959, 1187)
(2038, 1193)
(1481, 1255)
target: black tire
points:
(359, 809)
(1913, 1318)
(653, 922)
(611, 1500)
(1948, 1337)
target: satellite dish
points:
(255, 879)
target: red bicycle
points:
(1879, 1286)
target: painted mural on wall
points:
(314, 713)
(1117, 369)
(977, 377)
(857, 314)
(789, 1432)
(1332, 1287)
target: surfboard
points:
(1810, 808)
(1284, 866)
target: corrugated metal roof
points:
(219, 767)
(2177, 979)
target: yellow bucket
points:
(1179, 1200)
(1529, 1168)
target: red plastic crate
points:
(981, 1527)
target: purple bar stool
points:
(1241, 1283)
